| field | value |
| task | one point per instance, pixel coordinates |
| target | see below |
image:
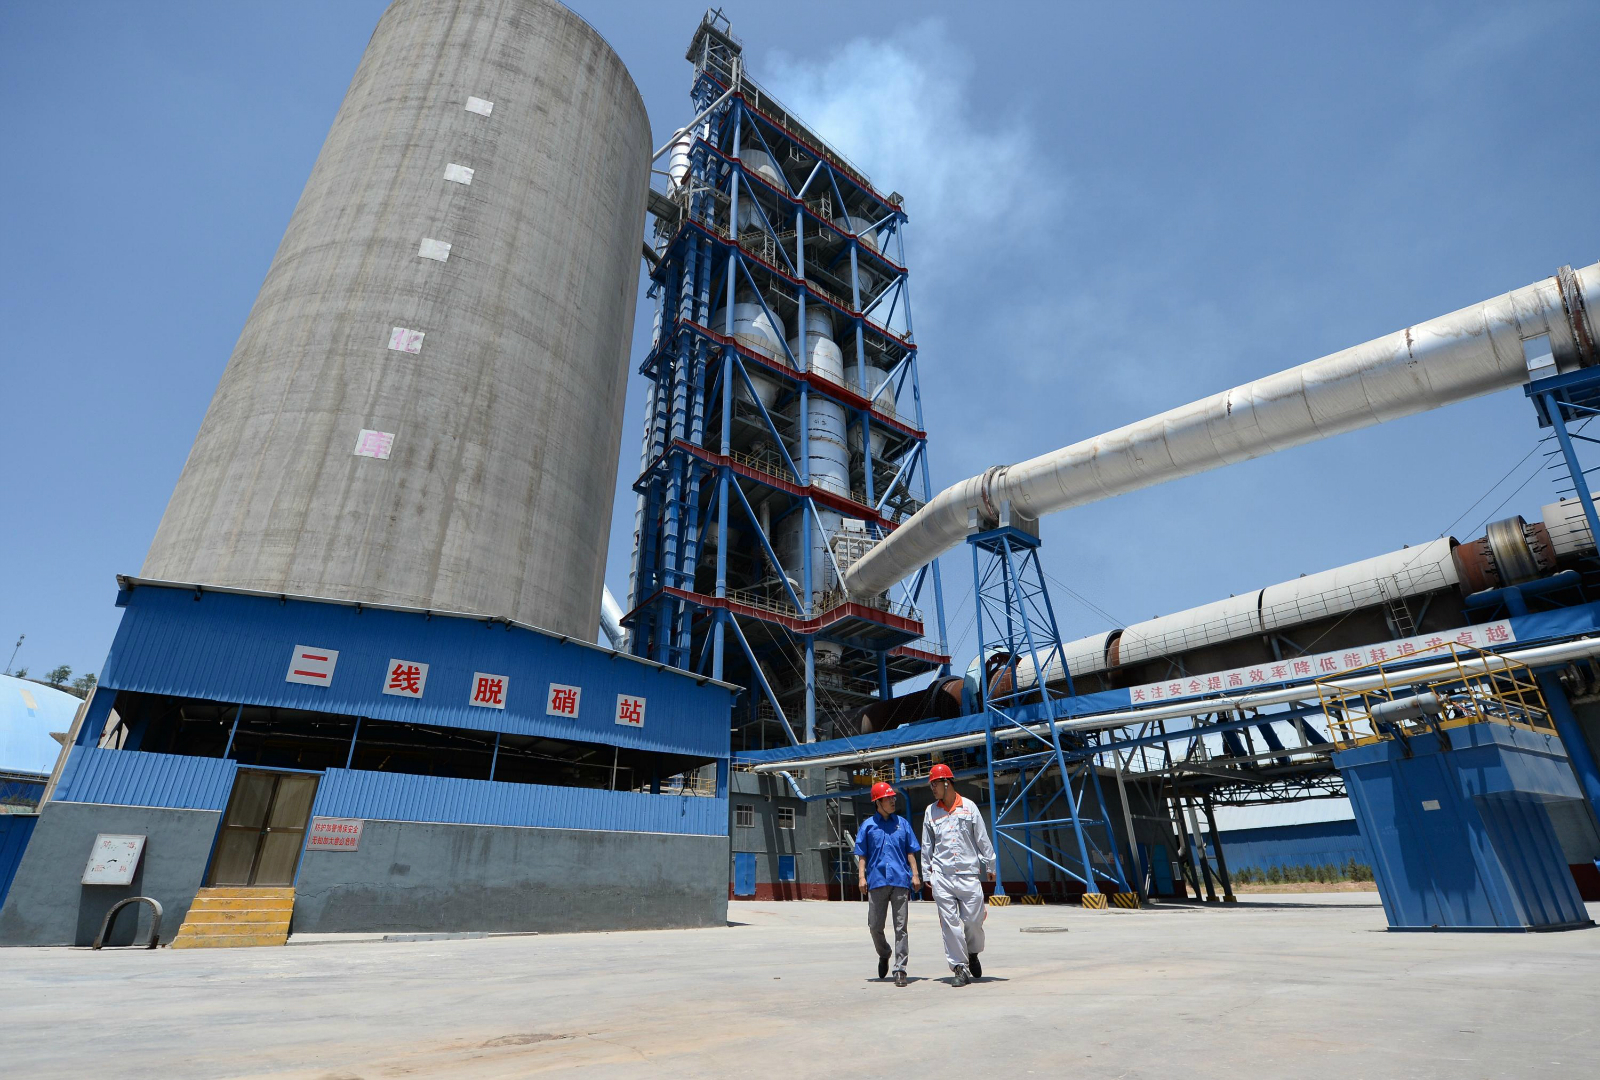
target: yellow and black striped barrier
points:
(1096, 900)
(999, 900)
(1125, 899)
(1031, 898)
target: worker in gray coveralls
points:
(886, 847)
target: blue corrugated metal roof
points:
(236, 648)
(29, 712)
(134, 778)
(353, 793)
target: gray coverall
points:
(955, 852)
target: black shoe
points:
(899, 978)
(883, 967)
(975, 965)
(962, 978)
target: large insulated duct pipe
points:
(1465, 354)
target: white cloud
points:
(902, 110)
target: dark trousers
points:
(879, 902)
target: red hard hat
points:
(941, 772)
(880, 790)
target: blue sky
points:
(1114, 209)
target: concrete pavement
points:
(1291, 986)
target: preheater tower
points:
(425, 404)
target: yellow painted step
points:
(242, 903)
(227, 941)
(233, 916)
(248, 890)
(236, 917)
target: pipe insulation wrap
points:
(1466, 354)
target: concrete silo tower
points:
(425, 404)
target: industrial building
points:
(354, 688)
(1458, 660)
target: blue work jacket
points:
(883, 844)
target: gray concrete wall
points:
(765, 795)
(497, 495)
(48, 906)
(410, 877)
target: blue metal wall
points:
(14, 832)
(134, 778)
(236, 649)
(355, 793)
(1318, 843)
(1459, 835)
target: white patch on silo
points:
(480, 106)
(374, 444)
(437, 250)
(460, 174)
(406, 341)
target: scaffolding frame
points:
(721, 469)
(1016, 618)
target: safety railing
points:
(1479, 687)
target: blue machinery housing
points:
(1459, 831)
(466, 804)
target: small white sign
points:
(1430, 804)
(458, 174)
(113, 859)
(630, 710)
(437, 250)
(405, 678)
(489, 691)
(479, 106)
(334, 834)
(563, 700)
(406, 341)
(374, 444)
(311, 665)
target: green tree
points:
(84, 685)
(58, 676)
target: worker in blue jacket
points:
(886, 855)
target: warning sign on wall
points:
(334, 834)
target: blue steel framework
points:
(714, 452)
(1562, 401)
(1015, 616)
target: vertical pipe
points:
(1140, 871)
(1105, 815)
(1185, 849)
(1222, 860)
(1579, 753)
(494, 760)
(356, 734)
(811, 687)
(1197, 843)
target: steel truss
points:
(1015, 618)
(723, 469)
